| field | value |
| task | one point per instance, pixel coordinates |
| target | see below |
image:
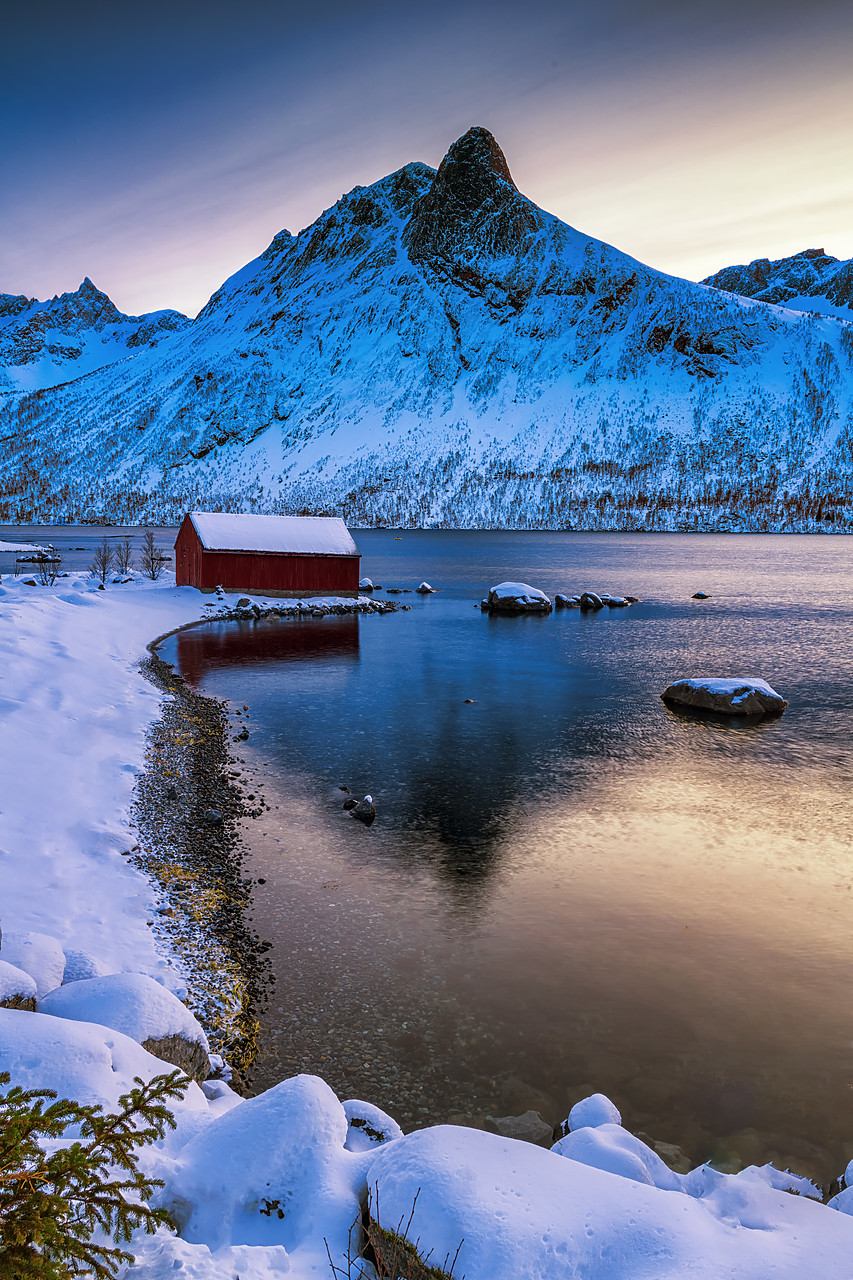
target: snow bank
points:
(76, 708)
(18, 547)
(89, 1063)
(610, 1147)
(523, 1213)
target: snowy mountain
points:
(807, 281)
(436, 349)
(45, 343)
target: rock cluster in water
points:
(591, 601)
(244, 611)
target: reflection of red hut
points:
(267, 555)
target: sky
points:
(158, 147)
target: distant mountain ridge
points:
(808, 281)
(45, 343)
(437, 350)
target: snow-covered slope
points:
(45, 343)
(435, 349)
(809, 281)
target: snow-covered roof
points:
(299, 535)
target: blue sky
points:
(158, 147)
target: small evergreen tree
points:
(51, 1205)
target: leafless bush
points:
(102, 561)
(151, 559)
(124, 555)
(48, 568)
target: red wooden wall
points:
(262, 572)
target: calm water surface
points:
(568, 886)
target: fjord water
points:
(568, 886)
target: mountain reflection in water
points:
(568, 887)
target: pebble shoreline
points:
(196, 861)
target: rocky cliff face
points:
(809, 281)
(435, 349)
(45, 343)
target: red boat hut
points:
(295, 556)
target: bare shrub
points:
(151, 559)
(102, 561)
(124, 554)
(48, 568)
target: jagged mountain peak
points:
(472, 205)
(811, 280)
(89, 291)
(43, 344)
(474, 158)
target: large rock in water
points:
(745, 697)
(140, 1008)
(517, 597)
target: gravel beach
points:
(187, 806)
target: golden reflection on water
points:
(668, 941)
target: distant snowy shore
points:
(260, 1188)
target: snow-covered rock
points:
(425, 589)
(368, 1125)
(744, 697)
(592, 1111)
(80, 965)
(365, 584)
(521, 1213)
(17, 988)
(843, 1201)
(517, 597)
(38, 954)
(610, 1147)
(365, 810)
(140, 1008)
(271, 1171)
